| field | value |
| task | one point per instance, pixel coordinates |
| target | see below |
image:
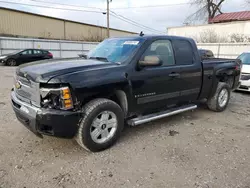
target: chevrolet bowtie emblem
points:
(18, 85)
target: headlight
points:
(56, 98)
(3, 57)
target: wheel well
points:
(229, 79)
(118, 96)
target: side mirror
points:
(150, 61)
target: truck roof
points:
(155, 37)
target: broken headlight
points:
(56, 98)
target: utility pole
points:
(108, 1)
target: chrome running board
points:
(159, 115)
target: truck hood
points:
(43, 71)
(245, 69)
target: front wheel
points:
(11, 62)
(101, 126)
(220, 100)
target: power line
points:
(148, 6)
(41, 1)
(138, 24)
(44, 6)
(77, 6)
(80, 10)
(154, 6)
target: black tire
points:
(90, 111)
(213, 103)
(11, 62)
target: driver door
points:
(157, 86)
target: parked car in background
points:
(25, 56)
(206, 54)
(245, 72)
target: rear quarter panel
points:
(218, 70)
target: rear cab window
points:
(183, 52)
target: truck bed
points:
(218, 60)
(210, 66)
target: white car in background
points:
(245, 72)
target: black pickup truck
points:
(130, 80)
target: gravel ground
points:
(210, 150)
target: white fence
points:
(59, 48)
(226, 50)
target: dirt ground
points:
(211, 150)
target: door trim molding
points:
(164, 96)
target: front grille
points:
(27, 90)
(245, 77)
(23, 93)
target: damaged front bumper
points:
(41, 121)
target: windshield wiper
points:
(100, 58)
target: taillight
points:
(50, 54)
(237, 67)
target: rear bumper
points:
(50, 122)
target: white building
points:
(227, 27)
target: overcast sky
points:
(159, 18)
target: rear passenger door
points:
(190, 69)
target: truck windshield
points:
(115, 50)
(245, 58)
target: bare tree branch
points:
(217, 8)
(207, 9)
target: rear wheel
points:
(101, 126)
(11, 62)
(220, 100)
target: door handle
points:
(174, 75)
